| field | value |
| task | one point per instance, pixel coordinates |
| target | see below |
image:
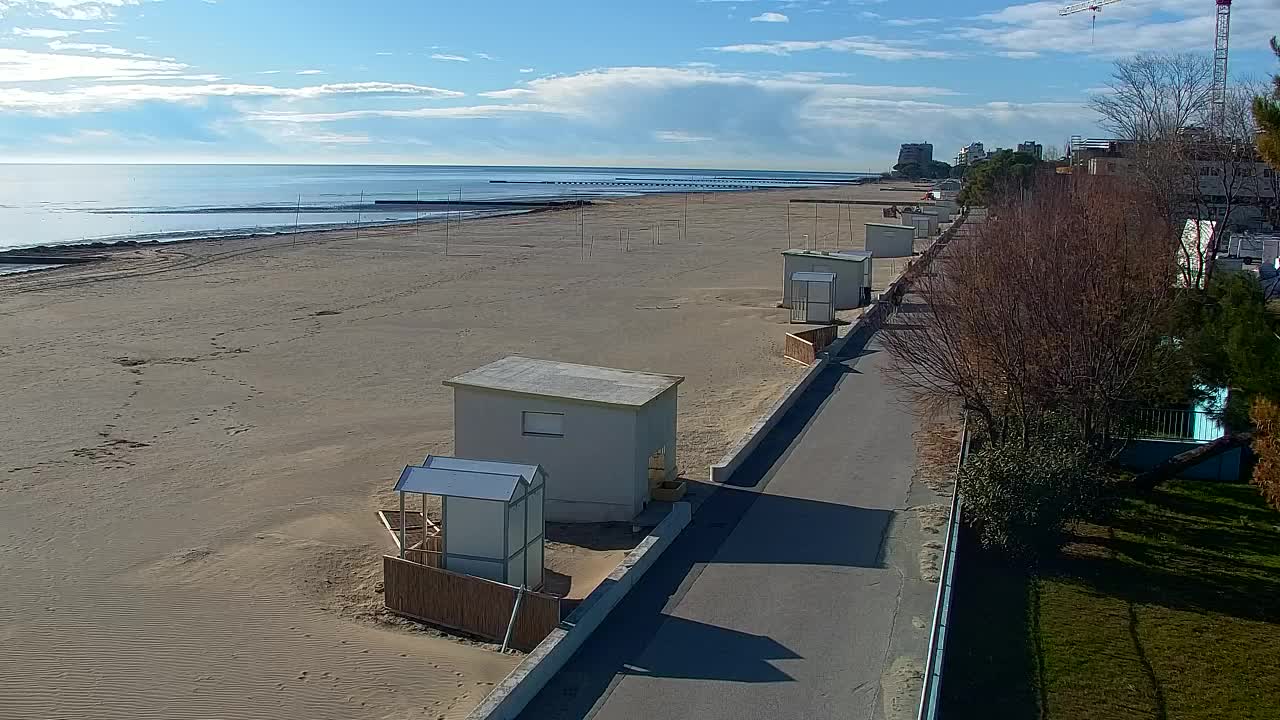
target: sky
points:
(752, 84)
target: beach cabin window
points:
(542, 423)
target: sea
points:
(48, 205)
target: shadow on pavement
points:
(701, 651)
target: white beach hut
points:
(852, 269)
(492, 522)
(889, 241)
(604, 436)
(925, 225)
(812, 297)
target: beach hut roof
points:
(585, 383)
(849, 255)
(459, 477)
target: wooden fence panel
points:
(804, 346)
(798, 349)
(470, 604)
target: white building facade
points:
(595, 431)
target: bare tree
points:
(1054, 306)
(1152, 96)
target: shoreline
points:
(105, 250)
(476, 210)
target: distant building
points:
(971, 154)
(1032, 148)
(920, 154)
(1253, 187)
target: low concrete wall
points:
(510, 696)
(1146, 454)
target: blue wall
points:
(1146, 454)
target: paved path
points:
(796, 590)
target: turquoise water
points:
(64, 204)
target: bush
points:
(1019, 499)
(1266, 445)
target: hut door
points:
(799, 301)
(818, 306)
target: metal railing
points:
(930, 693)
(1184, 425)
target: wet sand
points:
(199, 433)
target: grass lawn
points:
(1169, 610)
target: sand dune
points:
(197, 436)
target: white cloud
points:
(678, 136)
(198, 77)
(449, 58)
(771, 17)
(485, 56)
(473, 112)
(268, 72)
(1122, 28)
(24, 66)
(45, 33)
(911, 22)
(98, 49)
(526, 70)
(80, 137)
(384, 54)
(613, 95)
(857, 45)
(73, 9)
(101, 97)
(297, 134)
(310, 72)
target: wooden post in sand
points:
(788, 224)
(417, 222)
(359, 214)
(297, 215)
(684, 227)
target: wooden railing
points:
(466, 603)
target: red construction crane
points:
(1219, 107)
(1095, 6)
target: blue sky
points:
(801, 84)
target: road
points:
(796, 591)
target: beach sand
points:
(198, 436)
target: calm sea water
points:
(65, 204)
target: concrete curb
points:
(510, 696)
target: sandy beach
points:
(198, 435)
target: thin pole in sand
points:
(417, 221)
(788, 224)
(620, 240)
(815, 226)
(359, 214)
(582, 229)
(684, 228)
(297, 216)
(448, 215)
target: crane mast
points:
(1221, 40)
